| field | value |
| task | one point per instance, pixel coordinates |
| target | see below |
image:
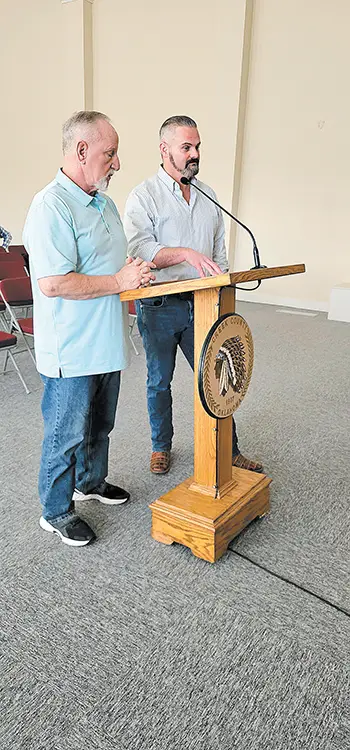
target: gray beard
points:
(102, 185)
(190, 171)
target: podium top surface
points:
(210, 282)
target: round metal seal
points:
(225, 365)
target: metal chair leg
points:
(18, 330)
(5, 324)
(131, 328)
(18, 372)
(133, 344)
(5, 362)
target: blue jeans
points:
(79, 414)
(164, 324)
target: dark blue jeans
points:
(164, 324)
(79, 414)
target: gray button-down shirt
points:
(157, 216)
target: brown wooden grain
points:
(208, 510)
(206, 311)
(225, 279)
(174, 287)
(212, 438)
(266, 273)
(205, 525)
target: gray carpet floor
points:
(131, 644)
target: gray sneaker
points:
(72, 530)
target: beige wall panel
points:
(159, 58)
(41, 82)
(296, 162)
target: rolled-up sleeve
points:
(139, 227)
(49, 238)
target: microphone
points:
(257, 264)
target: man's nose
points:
(116, 163)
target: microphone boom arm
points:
(186, 181)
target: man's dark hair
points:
(175, 122)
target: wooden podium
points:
(209, 509)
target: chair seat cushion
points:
(26, 324)
(7, 339)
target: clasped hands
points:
(139, 272)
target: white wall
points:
(41, 69)
(295, 185)
(159, 58)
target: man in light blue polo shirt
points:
(77, 251)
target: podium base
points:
(204, 524)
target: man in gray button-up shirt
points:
(183, 233)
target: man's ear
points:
(164, 150)
(82, 149)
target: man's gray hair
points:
(174, 122)
(80, 120)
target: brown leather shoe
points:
(160, 462)
(241, 462)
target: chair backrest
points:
(11, 267)
(17, 250)
(132, 308)
(17, 291)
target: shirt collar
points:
(168, 180)
(73, 188)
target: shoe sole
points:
(255, 471)
(70, 542)
(104, 500)
(251, 471)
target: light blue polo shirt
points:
(69, 230)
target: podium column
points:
(209, 509)
(212, 437)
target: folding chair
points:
(8, 342)
(19, 250)
(132, 321)
(3, 320)
(17, 292)
(12, 266)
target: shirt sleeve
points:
(6, 237)
(139, 227)
(49, 238)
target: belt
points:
(184, 295)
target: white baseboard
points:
(339, 306)
(265, 299)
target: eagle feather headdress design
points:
(230, 367)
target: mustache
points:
(192, 161)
